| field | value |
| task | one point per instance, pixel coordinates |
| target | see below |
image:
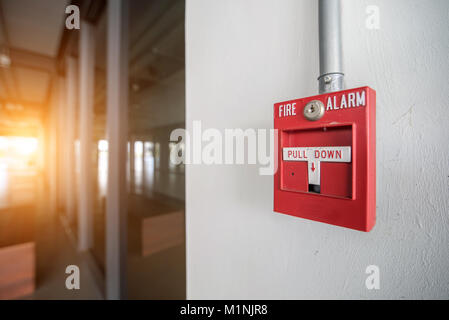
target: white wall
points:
(245, 55)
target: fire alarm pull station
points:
(327, 158)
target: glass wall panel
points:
(156, 258)
(100, 144)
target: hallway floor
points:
(55, 252)
(25, 216)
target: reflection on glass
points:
(156, 258)
(102, 168)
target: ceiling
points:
(30, 33)
(156, 41)
(156, 65)
(34, 25)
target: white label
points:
(286, 110)
(314, 156)
(351, 100)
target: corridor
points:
(86, 179)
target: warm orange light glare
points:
(20, 145)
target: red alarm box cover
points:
(327, 167)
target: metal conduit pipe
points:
(331, 71)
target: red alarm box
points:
(327, 158)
